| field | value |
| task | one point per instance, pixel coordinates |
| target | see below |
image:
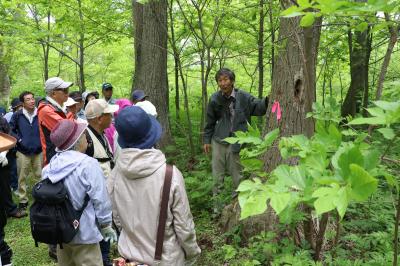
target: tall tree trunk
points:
(359, 59)
(150, 21)
(176, 63)
(4, 78)
(46, 49)
(81, 49)
(293, 84)
(261, 53)
(394, 33)
(358, 50)
(366, 86)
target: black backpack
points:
(53, 218)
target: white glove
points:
(3, 158)
(109, 234)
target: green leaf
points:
(367, 120)
(371, 159)
(271, 136)
(387, 132)
(326, 197)
(342, 201)
(307, 20)
(291, 176)
(246, 185)
(363, 26)
(351, 155)
(292, 11)
(387, 106)
(362, 183)
(252, 204)
(279, 201)
(231, 140)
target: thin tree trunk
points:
(5, 85)
(320, 236)
(261, 54)
(81, 49)
(393, 39)
(358, 69)
(151, 57)
(396, 232)
(366, 86)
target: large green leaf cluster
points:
(326, 172)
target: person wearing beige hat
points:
(99, 116)
(81, 176)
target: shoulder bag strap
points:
(163, 212)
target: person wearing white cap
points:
(99, 116)
(50, 111)
(73, 107)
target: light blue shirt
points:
(82, 175)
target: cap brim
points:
(111, 108)
(65, 85)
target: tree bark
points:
(359, 58)
(150, 21)
(81, 48)
(293, 84)
(4, 77)
(261, 53)
(394, 33)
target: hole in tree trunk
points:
(298, 87)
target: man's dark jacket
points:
(219, 125)
(26, 133)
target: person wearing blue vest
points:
(25, 128)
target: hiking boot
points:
(53, 255)
(19, 213)
(23, 205)
(5, 254)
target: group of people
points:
(106, 149)
(103, 148)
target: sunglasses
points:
(66, 90)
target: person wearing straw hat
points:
(136, 183)
(82, 176)
(6, 142)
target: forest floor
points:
(366, 235)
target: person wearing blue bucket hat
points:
(147, 130)
(136, 183)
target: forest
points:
(321, 180)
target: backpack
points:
(53, 218)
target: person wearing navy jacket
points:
(25, 127)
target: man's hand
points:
(207, 148)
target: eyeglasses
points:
(66, 90)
